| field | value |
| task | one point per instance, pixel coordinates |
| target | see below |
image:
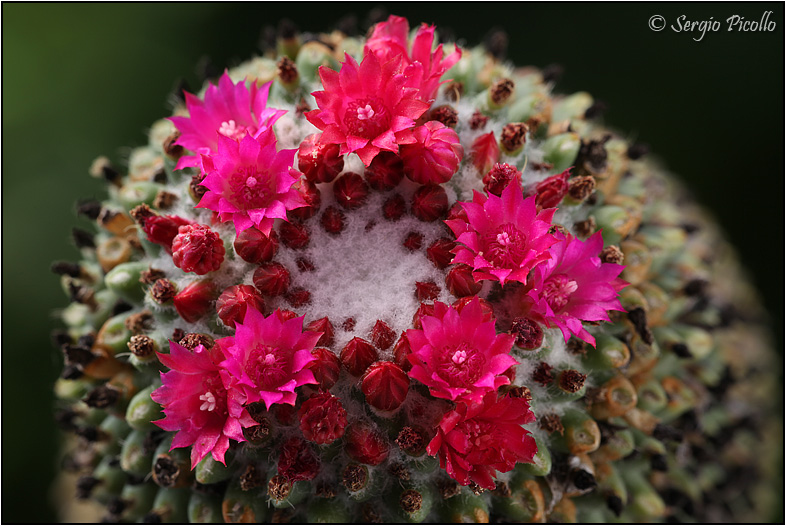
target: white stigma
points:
(251, 182)
(228, 128)
(209, 400)
(365, 113)
(503, 238)
(459, 357)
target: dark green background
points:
(81, 80)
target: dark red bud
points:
(195, 300)
(233, 303)
(357, 355)
(430, 202)
(439, 252)
(460, 282)
(382, 336)
(255, 247)
(385, 385)
(326, 367)
(350, 191)
(385, 171)
(272, 279)
(294, 235)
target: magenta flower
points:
(250, 183)
(195, 403)
(458, 355)
(266, 360)
(389, 40)
(366, 109)
(434, 156)
(503, 237)
(475, 441)
(229, 110)
(573, 285)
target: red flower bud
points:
(425, 309)
(195, 300)
(401, 351)
(161, 230)
(322, 418)
(298, 297)
(430, 203)
(297, 461)
(460, 281)
(232, 304)
(357, 355)
(426, 291)
(272, 279)
(310, 194)
(413, 241)
(385, 171)
(457, 212)
(385, 385)
(319, 162)
(485, 152)
(333, 220)
(439, 252)
(382, 336)
(294, 235)
(552, 189)
(255, 247)
(197, 249)
(326, 367)
(284, 315)
(350, 191)
(485, 307)
(324, 326)
(365, 444)
(394, 208)
(500, 176)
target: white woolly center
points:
(365, 273)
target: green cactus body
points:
(662, 411)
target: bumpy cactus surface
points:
(388, 280)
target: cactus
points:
(387, 280)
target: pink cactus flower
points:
(503, 237)
(367, 108)
(250, 183)
(390, 39)
(475, 441)
(229, 110)
(266, 360)
(434, 156)
(458, 355)
(574, 285)
(195, 403)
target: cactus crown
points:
(387, 279)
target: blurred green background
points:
(82, 80)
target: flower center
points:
(266, 366)
(478, 433)
(557, 291)
(366, 118)
(248, 189)
(461, 365)
(507, 247)
(232, 130)
(214, 396)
